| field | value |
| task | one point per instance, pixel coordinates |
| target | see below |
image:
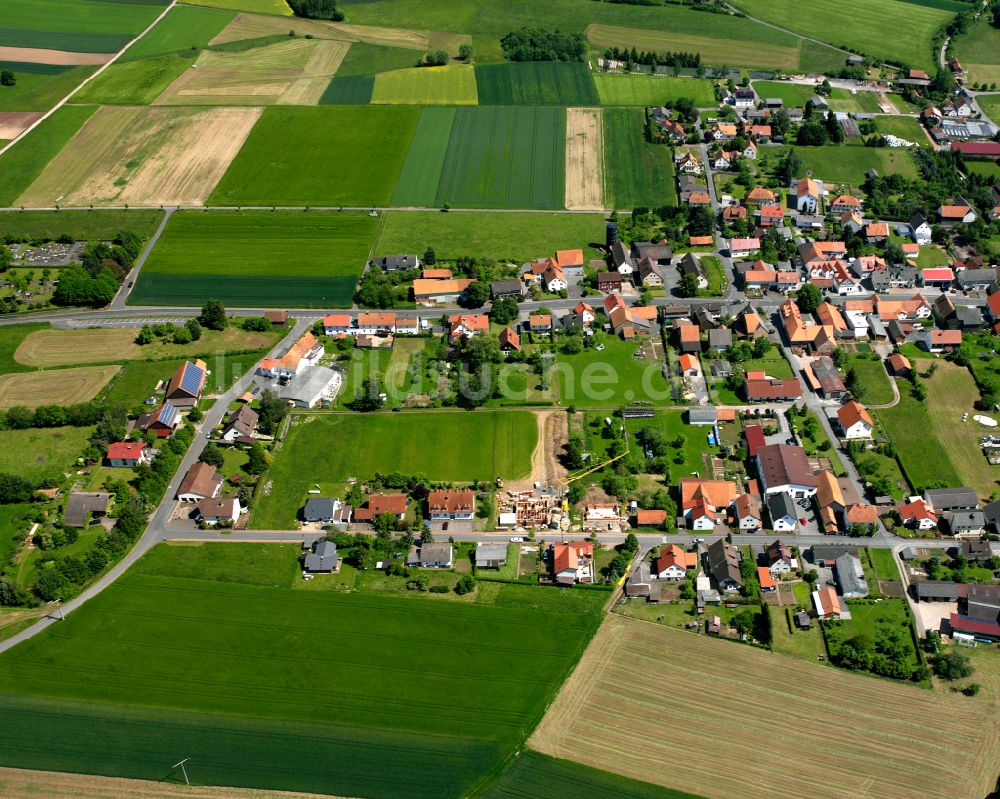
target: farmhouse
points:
(920, 229)
(506, 288)
(468, 325)
(807, 194)
(621, 259)
(202, 481)
(540, 323)
(854, 421)
(761, 196)
(212, 512)
(773, 389)
(609, 281)
(672, 563)
(392, 263)
(83, 508)
(163, 421)
(572, 562)
(327, 510)
(964, 523)
(242, 424)
(845, 203)
(785, 467)
(960, 213)
(649, 273)
(723, 560)
(382, 505)
(690, 265)
(917, 513)
(127, 454)
(510, 340)
(746, 509)
(323, 558)
(704, 503)
(660, 253)
(439, 292)
(827, 603)
(376, 323)
(337, 324)
(184, 388)
(935, 340)
(451, 504)
(779, 558)
(740, 248)
(945, 499)
(302, 355)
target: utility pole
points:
(184, 770)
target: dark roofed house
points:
(390, 263)
(436, 556)
(827, 554)
(945, 499)
(327, 510)
(720, 338)
(785, 467)
(936, 591)
(660, 253)
(323, 558)
(277, 318)
(703, 415)
(163, 421)
(609, 281)
(506, 288)
(491, 556)
(724, 565)
(979, 551)
(201, 481)
(851, 577)
(242, 424)
(84, 507)
(964, 523)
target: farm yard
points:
(603, 719)
(238, 256)
(506, 237)
(146, 156)
(328, 449)
(370, 143)
(636, 172)
(240, 712)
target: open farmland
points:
(861, 25)
(979, 52)
(81, 225)
(24, 162)
(14, 123)
(39, 86)
(636, 172)
(648, 90)
(292, 72)
(257, 259)
(513, 237)
(184, 28)
(783, 53)
(241, 711)
(144, 156)
(866, 744)
(791, 94)
(56, 387)
(584, 159)
(449, 85)
(277, 7)
(287, 160)
(133, 82)
(329, 449)
(349, 90)
(36, 453)
(90, 26)
(535, 83)
(505, 158)
(905, 127)
(421, 173)
(248, 26)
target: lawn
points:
(238, 256)
(867, 620)
(505, 158)
(979, 52)
(534, 776)
(89, 26)
(184, 29)
(861, 25)
(25, 161)
(288, 159)
(240, 712)
(872, 387)
(647, 90)
(792, 95)
(990, 105)
(363, 364)
(449, 85)
(695, 448)
(327, 449)
(886, 467)
(716, 276)
(883, 563)
(134, 82)
(637, 173)
(909, 427)
(535, 83)
(37, 453)
(610, 377)
(761, 48)
(828, 747)
(421, 173)
(904, 127)
(11, 337)
(503, 237)
(773, 364)
(81, 225)
(860, 103)
(849, 163)
(786, 640)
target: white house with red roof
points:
(855, 421)
(916, 512)
(468, 325)
(127, 454)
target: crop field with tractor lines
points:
(535, 83)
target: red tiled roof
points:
(126, 450)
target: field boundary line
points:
(85, 81)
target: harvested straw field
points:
(293, 72)
(878, 739)
(584, 159)
(39, 55)
(55, 387)
(144, 156)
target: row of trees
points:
(316, 9)
(538, 44)
(653, 58)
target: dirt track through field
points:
(37, 55)
(713, 718)
(22, 784)
(144, 156)
(584, 159)
(55, 387)
(13, 122)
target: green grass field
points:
(332, 155)
(134, 82)
(185, 28)
(883, 563)
(646, 90)
(11, 337)
(421, 173)
(81, 225)
(535, 776)
(449, 85)
(505, 158)
(328, 449)
(793, 95)
(873, 383)
(90, 26)
(39, 86)
(990, 105)
(979, 52)
(867, 619)
(25, 161)
(241, 711)
(36, 453)
(365, 58)
(635, 171)
(849, 163)
(278, 7)
(905, 127)
(860, 25)
(257, 258)
(674, 424)
(514, 237)
(611, 377)
(535, 83)
(349, 90)
(862, 102)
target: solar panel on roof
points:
(191, 378)
(167, 414)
